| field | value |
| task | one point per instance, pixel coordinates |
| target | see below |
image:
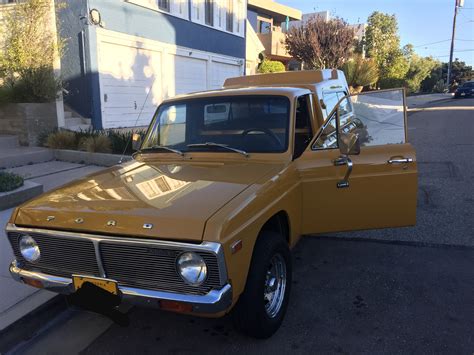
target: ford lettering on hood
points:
(170, 201)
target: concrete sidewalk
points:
(421, 100)
(17, 300)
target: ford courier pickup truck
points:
(222, 187)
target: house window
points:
(196, 10)
(230, 16)
(264, 26)
(209, 12)
(239, 16)
(164, 5)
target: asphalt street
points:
(409, 291)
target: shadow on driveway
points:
(347, 297)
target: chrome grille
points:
(60, 256)
(153, 268)
(140, 264)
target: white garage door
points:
(222, 71)
(190, 74)
(127, 74)
(135, 72)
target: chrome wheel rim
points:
(275, 285)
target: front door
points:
(374, 189)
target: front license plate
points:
(107, 285)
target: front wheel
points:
(262, 306)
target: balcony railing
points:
(274, 43)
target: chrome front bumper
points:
(215, 301)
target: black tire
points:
(250, 314)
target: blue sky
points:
(420, 22)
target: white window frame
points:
(178, 8)
(197, 12)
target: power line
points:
(427, 44)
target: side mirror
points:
(349, 143)
(136, 141)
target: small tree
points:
(382, 44)
(321, 44)
(271, 66)
(360, 72)
(26, 60)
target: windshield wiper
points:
(162, 147)
(212, 144)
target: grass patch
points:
(10, 181)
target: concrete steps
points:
(12, 155)
(75, 122)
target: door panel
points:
(382, 187)
(379, 194)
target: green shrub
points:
(122, 141)
(9, 181)
(28, 54)
(100, 141)
(62, 140)
(271, 66)
(391, 83)
(360, 72)
(440, 86)
(42, 138)
(96, 144)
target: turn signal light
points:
(34, 283)
(176, 306)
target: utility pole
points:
(457, 4)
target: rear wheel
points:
(262, 306)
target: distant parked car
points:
(465, 90)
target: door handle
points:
(400, 160)
(344, 160)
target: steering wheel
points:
(267, 131)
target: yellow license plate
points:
(107, 285)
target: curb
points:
(24, 193)
(28, 326)
(101, 159)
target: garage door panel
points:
(222, 71)
(190, 75)
(127, 74)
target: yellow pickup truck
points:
(222, 187)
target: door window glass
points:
(377, 117)
(303, 133)
(331, 98)
(328, 137)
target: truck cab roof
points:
(293, 83)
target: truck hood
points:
(164, 201)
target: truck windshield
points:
(249, 124)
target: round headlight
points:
(29, 249)
(192, 268)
